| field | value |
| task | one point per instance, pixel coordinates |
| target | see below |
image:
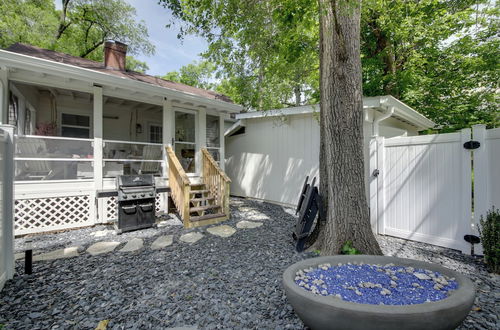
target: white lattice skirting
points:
(52, 213)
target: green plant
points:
(347, 248)
(489, 231)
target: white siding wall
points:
(272, 158)
(270, 161)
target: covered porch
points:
(78, 130)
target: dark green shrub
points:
(347, 248)
(489, 230)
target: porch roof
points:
(29, 52)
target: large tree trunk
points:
(342, 183)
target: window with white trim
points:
(77, 126)
(213, 136)
(155, 134)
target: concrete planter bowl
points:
(325, 312)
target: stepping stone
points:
(102, 247)
(248, 224)
(222, 231)
(192, 237)
(102, 233)
(133, 245)
(69, 252)
(162, 242)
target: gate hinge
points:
(472, 145)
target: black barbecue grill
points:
(136, 202)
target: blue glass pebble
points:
(344, 280)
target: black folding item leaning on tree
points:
(308, 208)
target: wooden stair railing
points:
(180, 188)
(203, 203)
(216, 181)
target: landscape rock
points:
(69, 252)
(133, 245)
(248, 224)
(102, 247)
(192, 237)
(222, 230)
(162, 242)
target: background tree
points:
(85, 25)
(440, 57)
(133, 64)
(342, 184)
(79, 29)
(31, 22)
(264, 50)
(197, 74)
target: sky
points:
(171, 54)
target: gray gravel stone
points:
(231, 283)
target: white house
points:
(80, 123)
(269, 153)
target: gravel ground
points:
(232, 282)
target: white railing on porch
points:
(53, 158)
(56, 181)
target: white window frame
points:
(196, 135)
(220, 142)
(69, 111)
(156, 124)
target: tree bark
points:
(342, 182)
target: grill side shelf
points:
(114, 193)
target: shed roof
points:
(402, 111)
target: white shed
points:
(269, 153)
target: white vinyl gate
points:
(421, 187)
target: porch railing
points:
(130, 157)
(179, 183)
(53, 158)
(216, 180)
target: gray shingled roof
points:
(54, 56)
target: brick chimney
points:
(115, 55)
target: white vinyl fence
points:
(421, 187)
(6, 207)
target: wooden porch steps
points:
(201, 191)
(203, 208)
(199, 203)
(202, 199)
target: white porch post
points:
(201, 141)
(222, 161)
(8, 201)
(98, 144)
(4, 95)
(168, 137)
(167, 131)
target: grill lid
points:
(135, 180)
